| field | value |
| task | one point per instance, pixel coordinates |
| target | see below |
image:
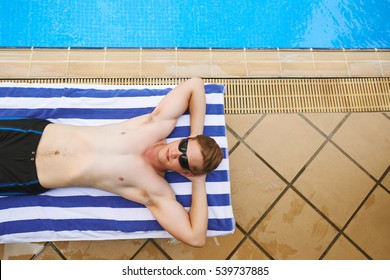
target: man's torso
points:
(109, 157)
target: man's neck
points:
(151, 157)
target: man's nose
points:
(175, 154)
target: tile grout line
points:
(380, 63)
(380, 181)
(211, 62)
(263, 250)
(353, 161)
(140, 62)
(176, 70)
(377, 184)
(48, 244)
(246, 237)
(161, 249)
(40, 250)
(30, 62)
(238, 137)
(269, 209)
(280, 63)
(254, 126)
(384, 188)
(232, 149)
(263, 160)
(313, 62)
(140, 249)
(57, 251)
(342, 231)
(356, 246)
(238, 246)
(347, 64)
(104, 62)
(67, 63)
(246, 63)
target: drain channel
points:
(251, 96)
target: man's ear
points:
(187, 173)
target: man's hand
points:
(197, 178)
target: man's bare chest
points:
(131, 177)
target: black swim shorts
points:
(19, 138)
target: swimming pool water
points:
(195, 23)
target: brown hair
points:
(211, 152)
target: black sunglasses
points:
(183, 159)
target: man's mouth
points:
(167, 155)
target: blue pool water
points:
(195, 23)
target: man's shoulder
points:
(137, 121)
(148, 120)
(156, 186)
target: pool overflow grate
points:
(277, 95)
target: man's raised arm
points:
(190, 228)
(188, 95)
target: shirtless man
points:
(130, 159)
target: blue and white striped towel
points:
(90, 214)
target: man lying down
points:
(129, 158)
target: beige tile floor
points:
(304, 186)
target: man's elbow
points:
(198, 242)
(197, 80)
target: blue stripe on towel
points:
(69, 202)
(90, 113)
(212, 200)
(221, 224)
(59, 225)
(77, 225)
(216, 176)
(184, 131)
(22, 92)
(77, 113)
(97, 201)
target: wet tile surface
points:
(286, 142)
(366, 138)
(99, 250)
(370, 228)
(293, 230)
(334, 185)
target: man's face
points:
(176, 154)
